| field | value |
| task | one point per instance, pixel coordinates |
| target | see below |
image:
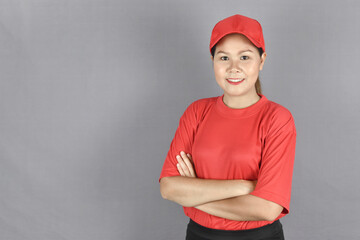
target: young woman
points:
(231, 160)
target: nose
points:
(234, 66)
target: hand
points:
(252, 185)
(185, 165)
(245, 186)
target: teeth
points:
(232, 80)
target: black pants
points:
(272, 231)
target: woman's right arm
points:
(190, 192)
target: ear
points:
(262, 60)
(212, 59)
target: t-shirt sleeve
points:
(277, 161)
(182, 141)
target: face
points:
(237, 58)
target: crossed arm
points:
(228, 199)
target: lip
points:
(235, 83)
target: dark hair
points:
(257, 83)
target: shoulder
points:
(279, 117)
(204, 102)
(199, 107)
(278, 111)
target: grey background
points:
(91, 93)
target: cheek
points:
(255, 67)
(251, 69)
(219, 69)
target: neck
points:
(238, 102)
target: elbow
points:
(273, 211)
(164, 183)
(269, 218)
(168, 192)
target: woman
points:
(231, 160)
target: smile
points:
(235, 80)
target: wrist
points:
(246, 186)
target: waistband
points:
(264, 231)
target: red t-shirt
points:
(256, 142)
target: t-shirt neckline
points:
(241, 112)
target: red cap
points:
(238, 24)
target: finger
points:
(192, 162)
(188, 164)
(183, 166)
(190, 158)
(180, 170)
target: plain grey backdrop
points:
(91, 92)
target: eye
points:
(246, 57)
(221, 58)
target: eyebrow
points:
(247, 50)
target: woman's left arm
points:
(243, 208)
(272, 192)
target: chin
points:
(242, 92)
